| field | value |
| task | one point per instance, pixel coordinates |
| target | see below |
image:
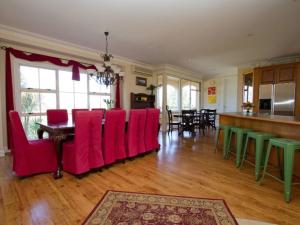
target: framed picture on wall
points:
(141, 81)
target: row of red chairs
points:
(91, 147)
(55, 116)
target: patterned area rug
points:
(123, 208)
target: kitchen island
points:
(283, 126)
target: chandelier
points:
(105, 74)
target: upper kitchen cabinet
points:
(267, 75)
(277, 74)
(286, 73)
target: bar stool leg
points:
(227, 140)
(239, 146)
(217, 139)
(279, 162)
(245, 151)
(288, 172)
(259, 146)
(266, 163)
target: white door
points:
(230, 94)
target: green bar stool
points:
(240, 136)
(226, 129)
(289, 147)
(260, 139)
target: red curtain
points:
(33, 58)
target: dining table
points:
(59, 133)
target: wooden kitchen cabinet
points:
(286, 73)
(268, 75)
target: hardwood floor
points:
(185, 166)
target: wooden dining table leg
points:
(40, 133)
(58, 141)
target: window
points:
(190, 96)
(173, 87)
(248, 88)
(52, 88)
(159, 92)
(38, 93)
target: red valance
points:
(33, 57)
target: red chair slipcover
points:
(30, 157)
(100, 109)
(114, 136)
(85, 151)
(57, 116)
(135, 137)
(151, 130)
(77, 110)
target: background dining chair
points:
(200, 122)
(84, 152)
(211, 115)
(187, 123)
(74, 112)
(114, 136)
(151, 130)
(55, 116)
(171, 122)
(30, 157)
(135, 136)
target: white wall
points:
(226, 93)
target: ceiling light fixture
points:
(105, 74)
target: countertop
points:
(265, 117)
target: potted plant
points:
(151, 88)
(109, 103)
(248, 106)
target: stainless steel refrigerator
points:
(277, 99)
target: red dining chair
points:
(55, 116)
(30, 157)
(100, 109)
(76, 110)
(151, 130)
(84, 152)
(114, 136)
(135, 137)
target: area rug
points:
(125, 208)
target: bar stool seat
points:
(240, 136)
(289, 147)
(226, 130)
(260, 139)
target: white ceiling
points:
(207, 36)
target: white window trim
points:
(17, 63)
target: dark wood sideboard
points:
(141, 101)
